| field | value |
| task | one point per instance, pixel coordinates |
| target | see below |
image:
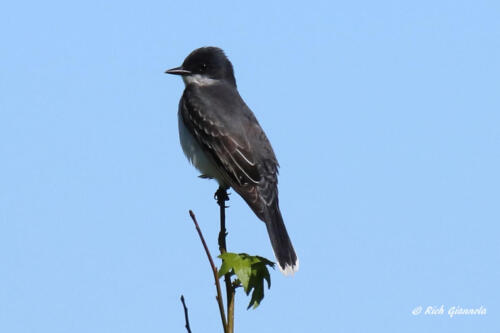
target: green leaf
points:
(250, 270)
(227, 259)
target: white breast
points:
(196, 155)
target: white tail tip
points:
(289, 270)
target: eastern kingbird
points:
(222, 138)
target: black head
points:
(207, 62)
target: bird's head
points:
(204, 66)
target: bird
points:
(222, 138)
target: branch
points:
(214, 270)
(185, 314)
(222, 197)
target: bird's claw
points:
(221, 195)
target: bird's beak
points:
(178, 71)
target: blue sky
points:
(385, 117)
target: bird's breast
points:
(196, 154)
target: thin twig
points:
(185, 314)
(222, 197)
(230, 306)
(214, 270)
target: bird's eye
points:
(203, 68)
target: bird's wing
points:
(237, 144)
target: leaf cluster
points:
(251, 271)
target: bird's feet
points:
(221, 196)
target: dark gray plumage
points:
(222, 138)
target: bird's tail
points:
(288, 262)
